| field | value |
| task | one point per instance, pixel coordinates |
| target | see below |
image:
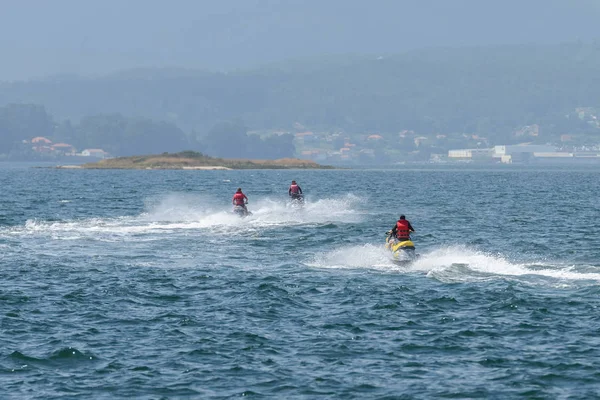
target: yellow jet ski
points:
(402, 251)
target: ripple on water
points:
(138, 288)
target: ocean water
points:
(142, 284)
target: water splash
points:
(365, 256)
(447, 262)
(179, 212)
(457, 264)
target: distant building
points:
(557, 154)
(523, 148)
(63, 148)
(97, 153)
(508, 154)
(374, 137)
(470, 155)
(41, 145)
(41, 140)
(520, 152)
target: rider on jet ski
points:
(295, 192)
(240, 199)
(402, 229)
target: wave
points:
(64, 356)
(458, 264)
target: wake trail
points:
(176, 213)
(456, 264)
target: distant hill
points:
(98, 36)
(485, 90)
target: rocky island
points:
(195, 160)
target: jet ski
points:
(241, 211)
(403, 252)
(297, 201)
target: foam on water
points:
(178, 212)
(455, 264)
(111, 296)
(365, 256)
(268, 212)
(489, 264)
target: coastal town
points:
(338, 149)
(43, 146)
(525, 145)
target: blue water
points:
(142, 284)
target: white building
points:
(520, 152)
(470, 154)
(508, 150)
(97, 153)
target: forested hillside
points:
(489, 91)
(445, 90)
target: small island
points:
(197, 161)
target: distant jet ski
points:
(403, 252)
(241, 211)
(297, 201)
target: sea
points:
(144, 284)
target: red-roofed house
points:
(63, 147)
(41, 140)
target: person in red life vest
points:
(295, 192)
(402, 229)
(240, 199)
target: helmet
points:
(402, 217)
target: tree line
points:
(482, 90)
(124, 136)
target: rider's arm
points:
(299, 190)
(410, 227)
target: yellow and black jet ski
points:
(403, 251)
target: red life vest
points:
(402, 230)
(238, 198)
(294, 189)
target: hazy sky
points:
(42, 37)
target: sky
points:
(89, 37)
